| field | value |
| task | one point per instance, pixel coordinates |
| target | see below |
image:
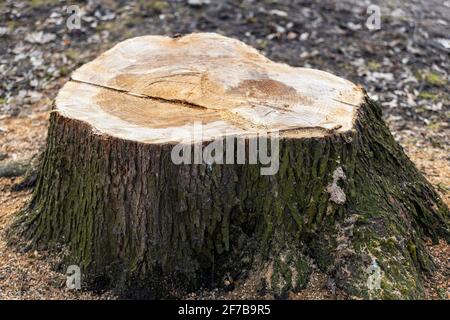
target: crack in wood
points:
(232, 117)
(159, 99)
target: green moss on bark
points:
(127, 214)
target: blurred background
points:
(403, 63)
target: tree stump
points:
(341, 195)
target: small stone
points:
(292, 35)
(198, 3)
(280, 29)
(40, 37)
(304, 36)
(11, 169)
(354, 26)
(3, 31)
(279, 13)
(34, 96)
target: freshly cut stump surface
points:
(341, 197)
(151, 89)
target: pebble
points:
(10, 169)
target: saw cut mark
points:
(218, 80)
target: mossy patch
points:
(434, 125)
(156, 6)
(41, 3)
(425, 95)
(431, 78)
(373, 65)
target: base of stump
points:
(346, 204)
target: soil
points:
(404, 66)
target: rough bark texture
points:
(129, 216)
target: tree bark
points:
(342, 201)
